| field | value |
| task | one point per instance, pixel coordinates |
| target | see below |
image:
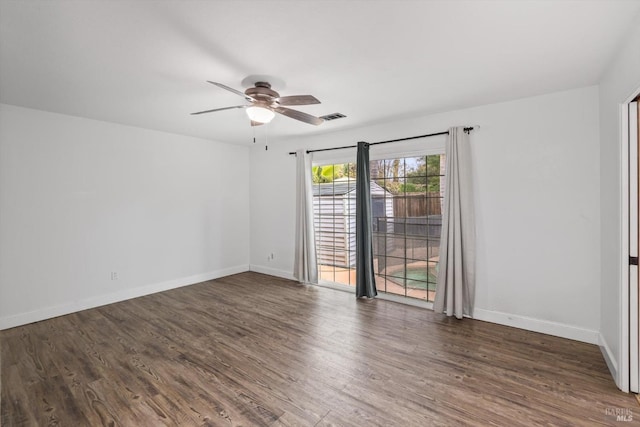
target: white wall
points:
(618, 84)
(536, 167)
(80, 199)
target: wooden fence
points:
(417, 205)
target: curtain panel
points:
(365, 275)
(305, 265)
(455, 288)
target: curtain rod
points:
(467, 130)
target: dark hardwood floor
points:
(255, 350)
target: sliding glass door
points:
(406, 199)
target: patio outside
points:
(415, 279)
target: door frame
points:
(627, 316)
(632, 269)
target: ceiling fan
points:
(264, 102)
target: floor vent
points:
(333, 116)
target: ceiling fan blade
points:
(297, 100)
(237, 92)
(299, 115)
(219, 109)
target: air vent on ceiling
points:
(333, 116)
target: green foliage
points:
(349, 169)
(391, 186)
(426, 173)
(327, 173)
(420, 178)
(399, 188)
(410, 187)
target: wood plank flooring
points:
(254, 350)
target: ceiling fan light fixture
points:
(260, 114)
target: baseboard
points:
(272, 271)
(609, 358)
(92, 302)
(537, 325)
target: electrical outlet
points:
(114, 275)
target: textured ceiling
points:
(145, 63)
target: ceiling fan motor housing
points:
(262, 92)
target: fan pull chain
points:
(266, 137)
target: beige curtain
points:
(305, 265)
(455, 289)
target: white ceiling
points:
(145, 63)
